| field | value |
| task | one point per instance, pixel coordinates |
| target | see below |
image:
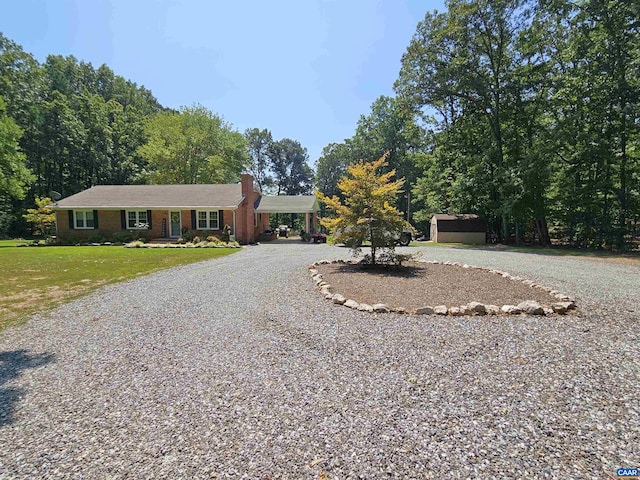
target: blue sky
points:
(304, 69)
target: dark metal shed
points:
(458, 228)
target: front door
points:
(175, 228)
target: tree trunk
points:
(505, 231)
(543, 231)
(373, 248)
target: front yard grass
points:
(36, 279)
(628, 257)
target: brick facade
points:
(113, 222)
(110, 223)
(246, 232)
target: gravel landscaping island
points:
(238, 368)
(455, 289)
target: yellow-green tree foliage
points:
(367, 213)
(192, 146)
(42, 218)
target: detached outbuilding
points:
(461, 228)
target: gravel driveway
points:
(237, 368)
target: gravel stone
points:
(477, 308)
(465, 310)
(562, 307)
(510, 309)
(440, 310)
(380, 308)
(531, 307)
(236, 368)
(492, 309)
(424, 310)
(339, 299)
(351, 304)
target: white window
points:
(137, 219)
(83, 219)
(208, 220)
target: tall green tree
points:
(596, 116)
(289, 163)
(535, 110)
(258, 147)
(332, 166)
(81, 126)
(21, 82)
(112, 112)
(193, 146)
(23, 87)
(127, 130)
(390, 128)
(62, 136)
(469, 65)
(15, 177)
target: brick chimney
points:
(247, 185)
(245, 231)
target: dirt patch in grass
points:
(13, 307)
(38, 279)
(421, 284)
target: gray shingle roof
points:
(221, 196)
(289, 204)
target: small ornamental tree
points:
(367, 214)
(42, 218)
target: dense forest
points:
(66, 126)
(525, 112)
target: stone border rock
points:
(530, 307)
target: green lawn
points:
(39, 278)
(13, 243)
(633, 256)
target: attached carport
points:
(287, 204)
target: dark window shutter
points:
(194, 225)
(71, 224)
(149, 219)
(220, 219)
(123, 219)
(95, 219)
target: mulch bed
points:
(419, 284)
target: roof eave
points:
(146, 207)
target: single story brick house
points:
(164, 211)
(460, 228)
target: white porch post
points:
(234, 223)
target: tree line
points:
(66, 126)
(525, 112)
